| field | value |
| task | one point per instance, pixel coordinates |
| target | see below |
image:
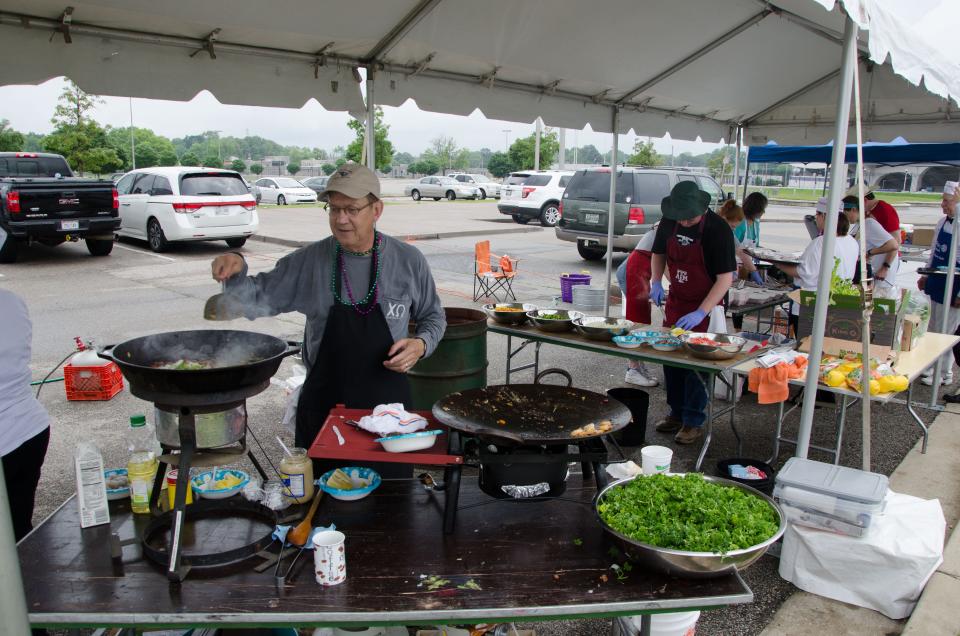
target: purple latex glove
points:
(691, 320)
(755, 277)
(656, 293)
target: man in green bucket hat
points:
(696, 246)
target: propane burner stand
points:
(190, 455)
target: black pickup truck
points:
(42, 202)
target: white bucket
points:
(672, 624)
(656, 459)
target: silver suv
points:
(586, 201)
(534, 194)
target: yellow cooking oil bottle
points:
(142, 465)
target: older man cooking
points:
(359, 290)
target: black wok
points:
(238, 358)
(528, 413)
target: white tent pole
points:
(866, 295)
(947, 304)
(562, 158)
(829, 236)
(536, 145)
(13, 601)
(611, 211)
(736, 168)
(371, 139)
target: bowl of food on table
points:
(689, 525)
(219, 483)
(408, 442)
(349, 483)
(553, 320)
(666, 343)
(508, 313)
(600, 328)
(712, 346)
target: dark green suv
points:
(583, 211)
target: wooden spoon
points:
(299, 535)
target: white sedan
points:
(284, 190)
(440, 187)
(179, 203)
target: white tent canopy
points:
(694, 69)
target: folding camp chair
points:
(489, 279)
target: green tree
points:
(238, 165)
(424, 166)
(168, 157)
(521, 151)
(76, 142)
(73, 106)
(293, 168)
(403, 158)
(10, 139)
(256, 168)
(339, 163)
(443, 150)
(147, 156)
(500, 164)
(384, 148)
(212, 161)
(189, 159)
(328, 169)
(101, 160)
(644, 154)
(32, 142)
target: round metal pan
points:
(528, 413)
(240, 358)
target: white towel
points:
(389, 419)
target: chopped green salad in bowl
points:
(689, 525)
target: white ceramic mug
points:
(329, 558)
(656, 459)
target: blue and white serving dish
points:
(408, 442)
(203, 483)
(365, 481)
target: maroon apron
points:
(689, 281)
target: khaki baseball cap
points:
(852, 191)
(353, 180)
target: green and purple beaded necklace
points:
(365, 305)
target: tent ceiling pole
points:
(838, 170)
(696, 55)
(25, 21)
(736, 165)
(398, 32)
(816, 29)
(792, 96)
(611, 210)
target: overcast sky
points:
(29, 109)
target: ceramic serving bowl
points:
(509, 313)
(666, 344)
(202, 484)
(365, 480)
(553, 320)
(629, 341)
(600, 328)
(408, 442)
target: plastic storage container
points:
(567, 282)
(836, 498)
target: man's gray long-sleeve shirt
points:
(301, 282)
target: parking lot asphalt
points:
(135, 292)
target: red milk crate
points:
(92, 383)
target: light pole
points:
(506, 139)
(133, 148)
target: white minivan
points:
(161, 205)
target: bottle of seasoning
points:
(172, 489)
(296, 471)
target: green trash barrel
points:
(459, 361)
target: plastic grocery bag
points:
(884, 571)
(292, 386)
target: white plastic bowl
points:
(408, 442)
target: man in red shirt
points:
(885, 214)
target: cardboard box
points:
(840, 348)
(845, 319)
(922, 236)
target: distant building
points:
(275, 165)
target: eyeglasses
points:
(351, 211)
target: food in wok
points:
(592, 429)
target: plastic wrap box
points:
(828, 497)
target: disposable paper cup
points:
(656, 459)
(329, 559)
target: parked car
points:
(485, 185)
(254, 189)
(639, 193)
(439, 187)
(42, 202)
(162, 205)
(284, 190)
(530, 195)
(317, 184)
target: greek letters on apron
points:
(935, 287)
(689, 281)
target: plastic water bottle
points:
(142, 465)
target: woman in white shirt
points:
(806, 274)
(882, 249)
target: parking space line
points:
(145, 253)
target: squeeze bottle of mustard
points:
(142, 465)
